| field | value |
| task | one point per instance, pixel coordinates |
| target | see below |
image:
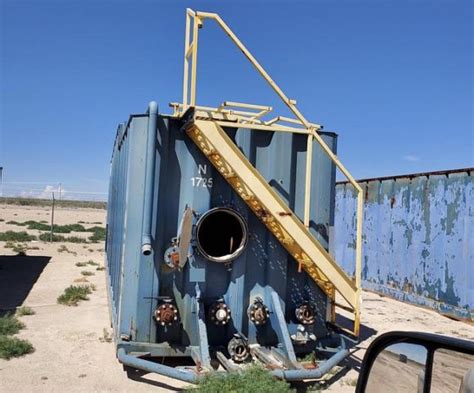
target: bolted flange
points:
(238, 349)
(219, 313)
(166, 314)
(305, 314)
(171, 257)
(258, 313)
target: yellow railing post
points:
(190, 48)
(196, 23)
(186, 61)
(307, 196)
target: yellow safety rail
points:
(324, 271)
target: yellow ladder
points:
(232, 164)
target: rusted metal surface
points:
(418, 238)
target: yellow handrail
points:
(190, 51)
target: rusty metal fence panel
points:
(418, 238)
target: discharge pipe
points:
(149, 177)
(152, 367)
(316, 373)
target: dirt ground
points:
(71, 353)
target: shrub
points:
(13, 222)
(98, 235)
(87, 273)
(81, 279)
(254, 379)
(74, 294)
(47, 202)
(74, 228)
(63, 248)
(20, 249)
(106, 336)
(11, 347)
(16, 236)
(81, 264)
(10, 244)
(38, 225)
(92, 263)
(100, 268)
(44, 226)
(45, 237)
(75, 239)
(9, 325)
(24, 310)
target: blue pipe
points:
(152, 367)
(188, 376)
(149, 177)
(300, 374)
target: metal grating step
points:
(232, 164)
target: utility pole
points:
(52, 221)
(1, 181)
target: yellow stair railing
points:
(207, 132)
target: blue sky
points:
(393, 78)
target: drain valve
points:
(258, 313)
(220, 313)
(238, 349)
(305, 314)
(166, 314)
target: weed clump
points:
(63, 248)
(98, 235)
(75, 239)
(9, 325)
(254, 379)
(13, 236)
(74, 294)
(46, 237)
(25, 310)
(12, 347)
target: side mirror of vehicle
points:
(414, 362)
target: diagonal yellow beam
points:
(254, 189)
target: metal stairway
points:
(244, 178)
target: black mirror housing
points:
(432, 343)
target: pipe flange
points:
(258, 313)
(166, 314)
(306, 314)
(171, 257)
(238, 349)
(219, 313)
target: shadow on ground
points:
(18, 274)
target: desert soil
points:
(71, 350)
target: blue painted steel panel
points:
(138, 283)
(418, 238)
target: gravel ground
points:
(70, 351)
